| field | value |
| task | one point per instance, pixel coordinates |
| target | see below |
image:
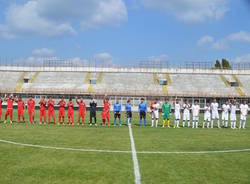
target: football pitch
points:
(84, 154)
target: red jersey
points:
(10, 103)
(103, 115)
(1, 104)
(42, 104)
(71, 106)
(62, 104)
(20, 104)
(151, 105)
(106, 105)
(31, 104)
(82, 106)
(51, 104)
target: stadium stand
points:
(133, 82)
(191, 84)
(10, 80)
(56, 81)
(245, 83)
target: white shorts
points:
(155, 115)
(224, 116)
(195, 118)
(243, 117)
(186, 117)
(207, 117)
(233, 117)
(215, 115)
(177, 115)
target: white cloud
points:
(191, 10)
(241, 36)
(242, 59)
(43, 52)
(103, 58)
(159, 58)
(59, 17)
(223, 43)
(205, 40)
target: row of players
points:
(211, 113)
(117, 109)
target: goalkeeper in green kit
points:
(166, 110)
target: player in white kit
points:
(177, 113)
(225, 114)
(155, 113)
(196, 114)
(233, 114)
(186, 114)
(215, 113)
(207, 115)
(243, 114)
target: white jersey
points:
(207, 110)
(225, 108)
(186, 112)
(214, 107)
(177, 111)
(207, 114)
(233, 109)
(177, 108)
(195, 110)
(233, 113)
(244, 109)
(186, 109)
(155, 110)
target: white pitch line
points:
(62, 148)
(193, 152)
(120, 151)
(135, 160)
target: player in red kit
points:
(43, 110)
(82, 110)
(31, 110)
(9, 110)
(51, 110)
(61, 115)
(103, 117)
(70, 112)
(1, 108)
(107, 108)
(20, 109)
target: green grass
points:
(19, 164)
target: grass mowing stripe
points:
(135, 160)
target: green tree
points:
(226, 64)
(217, 64)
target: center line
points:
(134, 156)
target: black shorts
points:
(129, 114)
(142, 115)
(92, 113)
(117, 115)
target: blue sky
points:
(126, 31)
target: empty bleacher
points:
(57, 81)
(245, 82)
(191, 84)
(126, 83)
